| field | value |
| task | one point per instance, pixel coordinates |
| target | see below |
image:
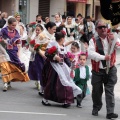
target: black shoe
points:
(41, 93)
(46, 103)
(79, 105)
(112, 115)
(66, 105)
(95, 112)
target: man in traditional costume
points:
(102, 51)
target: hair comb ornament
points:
(63, 32)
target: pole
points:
(93, 9)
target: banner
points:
(110, 10)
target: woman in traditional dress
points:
(57, 19)
(58, 86)
(38, 57)
(69, 30)
(24, 51)
(13, 70)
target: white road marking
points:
(33, 113)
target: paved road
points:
(22, 102)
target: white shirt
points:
(92, 54)
(96, 56)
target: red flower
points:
(52, 50)
(32, 42)
(108, 31)
(32, 23)
(37, 46)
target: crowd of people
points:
(49, 52)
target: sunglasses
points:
(100, 27)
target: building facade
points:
(28, 9)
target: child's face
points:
(38, 30)
(74, 49)
(12, 26)
(82, 60)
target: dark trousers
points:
(98, 81)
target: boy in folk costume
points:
(81, 75)
(102, 51)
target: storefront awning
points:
(81, 1)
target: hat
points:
(110, 10)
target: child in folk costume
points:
(42, 38)
(58, 86)
(12, 70)
(81, 75)
(75, 52)
(37, 57)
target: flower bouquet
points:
(52, 51)
(70, 56)
(40, 46)
(32, 43)
(32, 24)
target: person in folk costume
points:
(85, 36)
(100, 56)
(63, 19)
(59, 24)
(24, 51)
(58, 86)
(47, 19)
(44, 38)
(91, 27)
(58, 19)
(75, 52)
(12, 70)
(81, 75)
(37, 57)
(116, 29)
(78, 29)
(69, 30)
(32, 25)
(2, 20)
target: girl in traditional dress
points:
(13, 70)
(37, 58)
(37, 61)
(75, 52)
(82, 75)
(58, 86)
